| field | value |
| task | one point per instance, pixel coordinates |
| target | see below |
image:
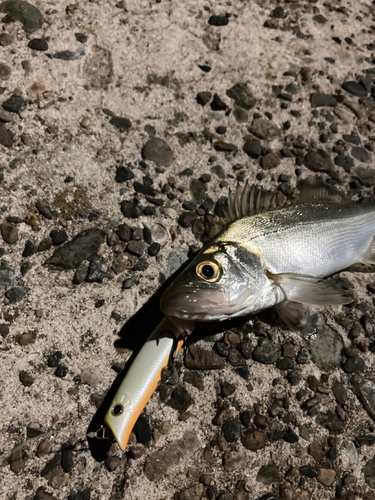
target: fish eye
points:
(209, 271)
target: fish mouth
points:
(194, 304)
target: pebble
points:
(19, 10)
(232, 430)
(123, 174)
(80, 274)
(344, 161)
(253, 148)
(227, 389)
(180, 399)
(13, 104)
(6, 39)
(365, 176)
(354, 365)
(240, 115)
(361, 154)
(204, 98)
(290, 436)
(266, 352)
(326, 476)
(16, 460)
(158, 151)
(7, 278)
(269, 161)
(9, 232)
(175, 261)
(120, 122)
(61, 371)
(5, 72)
(58, 236)
(5, 117)
(242, 96)
(4, 330)
(316, 451)
(218, 104)
(44, 448)
(136, 248)
(264, 129)
(127, 284)
(85, 122)
(58, 478)
(84, 246)
(222, 416)
(269, 474)
(6, 138)
(160, 462)
(153, 249)
(130, 209)
(254, 440)
(44, 209)
(319, 19)
(234, 461)
(330, 421)
(26, 379)
(354, 88)
(34, 429)
(54, 359)
(365, 440)
(16, 294)
(308, 471)
(38, 44)
(80, 495)
(197, 358)
(369, 473)
(318, 161)
(97, 271)
(218, 20)
(112, 463)
(278, 13)
(142, 430)
(318, 100)
(364, 389)
(186, 219)
(269, 496)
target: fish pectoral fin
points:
(292, 313)
(311, 290)
(369, 257)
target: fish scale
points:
(318, 240)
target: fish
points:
(273, 255)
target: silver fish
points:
(276, 258)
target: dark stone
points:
(253, 148)
(353, 139)
(318, 161)
(142, 430)
(186, 219)
(339, 392)
(153, 249)
(158, 151)
(365, 440)
(13, 104)
(364, 389)
(54, 359)
(4, 330)
(227, 389)
(331, 422)
(26, 379)
(42, 494)
(81, 37)
(354, 365)
(38, 44)
(141, 265)
(366, 176)
(120, 122)
(266, 352)
(217, 104)
(242, 96)
(144, 188)
(218, 21)
(136, 248)
(44, 209)
(308, 471)
(290, 436)
(7, 278)
(123, 174)
(225, 147)
(198, 190)
(197, 358)
(203, 98)
(98, 270)
(58, 236)
(67, 460)
(269, 161)
(222, 349)
(51, 465)
(67, 55)
(130, 209)
(317, 100)
(180, 399)
(124, 232)
(264, 129)
(254, 440)
(232, 430)
(361, 154)
(61, 371)
(82, 247)
(269, 474)
(285, 363)
(240, 115)
(345, 162)
(369, 473)
(278, 13)
(319, 19)
(28, 15)
(80, 495)
(16, 294)
(354, 88)
(6, 139)
(29, 249)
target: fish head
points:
(221, 282)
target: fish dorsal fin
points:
(250, 200)
(315, 190)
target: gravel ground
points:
(122, 126)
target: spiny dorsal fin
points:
(250, 200)
(315, 190)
